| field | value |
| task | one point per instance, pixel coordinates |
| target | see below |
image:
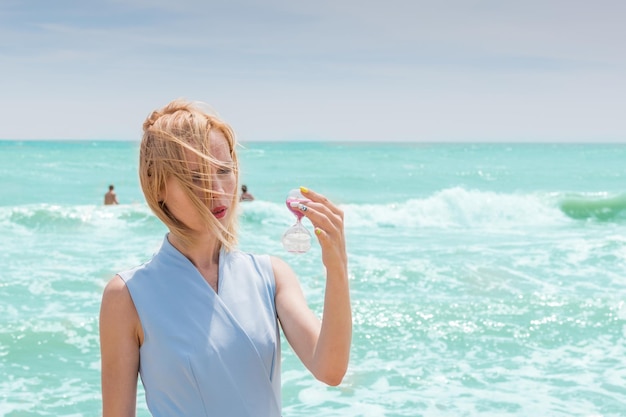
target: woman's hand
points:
(328, 222)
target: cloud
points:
(357, 70)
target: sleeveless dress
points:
(206, 353)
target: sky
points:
(392, 70)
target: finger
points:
(321, 212)
(299, 205)
(315, 212)
(333, 248)
(320, 216)
(320, 198)
(322, 236)
(325, 238)
(324, 214)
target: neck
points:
(203, 252)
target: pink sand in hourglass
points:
(294, 210)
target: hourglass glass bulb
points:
(297, 238)
(295, 196)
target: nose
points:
(219, 188)
(217, 185)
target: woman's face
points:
(223, 186)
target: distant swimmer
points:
(110, 197)
(245, 195)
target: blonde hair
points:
(168, 135)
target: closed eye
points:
(196, 178)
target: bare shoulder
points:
(117, 302)
(117, 308)
(116, 292)
(116, 298)
(278, 263)
(283, 274)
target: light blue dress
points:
(207, 353)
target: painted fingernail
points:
(318, 231)
(304, 190)
(294, 204)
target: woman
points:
(200, 321)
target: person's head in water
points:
(187, 156)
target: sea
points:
(486, 279)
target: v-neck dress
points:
(206, 353)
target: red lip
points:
(219, 212)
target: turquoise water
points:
(487, 279)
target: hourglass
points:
(297, 238)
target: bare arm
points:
(324, 347)
(120, 339)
